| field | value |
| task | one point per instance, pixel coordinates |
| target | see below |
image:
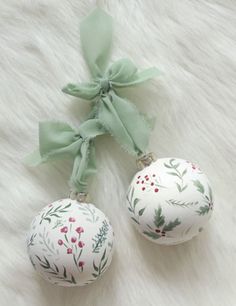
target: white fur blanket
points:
(193, 43)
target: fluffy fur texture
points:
(193, 43)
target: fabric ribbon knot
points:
(120, 118)
(58, 140)
(105, 86)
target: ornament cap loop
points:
(145, 160)
(81, 197)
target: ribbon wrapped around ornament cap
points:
(58, 140)
(120, 118)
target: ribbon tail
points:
(96, 36)
(122, 120)
(84, 166)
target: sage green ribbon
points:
(110, 113)
(120, 118)
(57, 140)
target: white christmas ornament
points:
(70, 243)
(170, 201)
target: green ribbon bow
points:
(110, 113)
(57, 140)
(120, 118)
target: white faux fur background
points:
(193, 43)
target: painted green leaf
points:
(73, 279)
(210, 193)
(159, 220)
(134, 220)
(136, 202)
(141, 211)
(173, 173)
(104, 264)
(199, 186)
(152, 235)
(95, 267)
(171, 225)
(203, 210)
(64, 272)
(178, 187)
(56, 267)
(104, 254)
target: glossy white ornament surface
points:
(170, 201)
(70, 243)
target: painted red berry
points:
(79, 230)
(73, 239)
(81, 244)
(147, 178)
(69, 251)
(64, 229)
(153, 175)
(137, 182)
(71, 219)
(152, 183)
(143, 188)
(142, 182)
(60, 242)
(156, 190)
(81, 263)
(139, 176)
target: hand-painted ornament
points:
(70, 243)
(170, 201)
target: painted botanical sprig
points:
(47, 244)
(181, 186)
(208, 199)
(149, 182)
(100, 238)
(53, 269)
(161, 228)
(31, 240)
(54, 212)
(72, 243)
(181, 203)
(100, 268)
(90, 212)
(132, 205)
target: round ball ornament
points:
(170, 201)
(70, 243)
